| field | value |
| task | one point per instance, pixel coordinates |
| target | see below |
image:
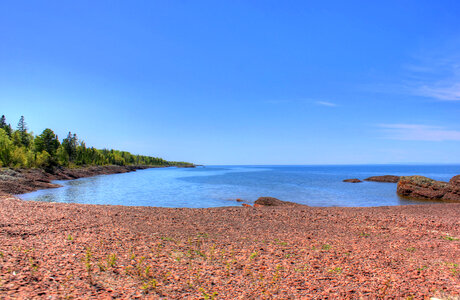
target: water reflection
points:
(409, 201)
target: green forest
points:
(20, 148)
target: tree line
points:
(19, 148)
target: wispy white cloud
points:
(418, 132)
(441, 92)
(326, 103)
(435, 75)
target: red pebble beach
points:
(55, 250)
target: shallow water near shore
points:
(215, 186)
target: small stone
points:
(353, 180)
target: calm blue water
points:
(214, 186)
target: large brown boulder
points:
(455, 181)
(453, 190)
(270, 201)
(384, 178)
(420, 187)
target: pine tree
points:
(2, 122)
(22, 128)
(70, 145)
(47, 141)
(8, 130)
(6, 127)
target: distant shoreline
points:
(20, 181)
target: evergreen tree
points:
(82, 154)
(70, 146)
(2, 122)
(22, 128)
(47, 152)
(47, 141)
(6, 127)
(8, 130)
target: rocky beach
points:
(230, 150)
(20, 181)
(275, 250)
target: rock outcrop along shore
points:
(420, 187)
(20, 181)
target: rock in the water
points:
(270, 201)
(420, 187)
(384, 178)
(353, 180)
(453, 190)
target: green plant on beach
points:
(111, 260)
(336, 270)
(453, 268)
(449, 238)
(228, 265)
(149, 285)
(422, 268)
(166, 276)
(157, 249)
(208, 296)
(132, 255)
(212, 252)
(277, 275)
(278, 242)
(326, 247)
(87, 260)
(177, 255)
(101, 266)
(254, 255)
(411, 249)
(139, 270)
(202, 235)
(33, 264)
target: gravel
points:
(56, 250)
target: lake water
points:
(214, 186)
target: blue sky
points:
(239, 82)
